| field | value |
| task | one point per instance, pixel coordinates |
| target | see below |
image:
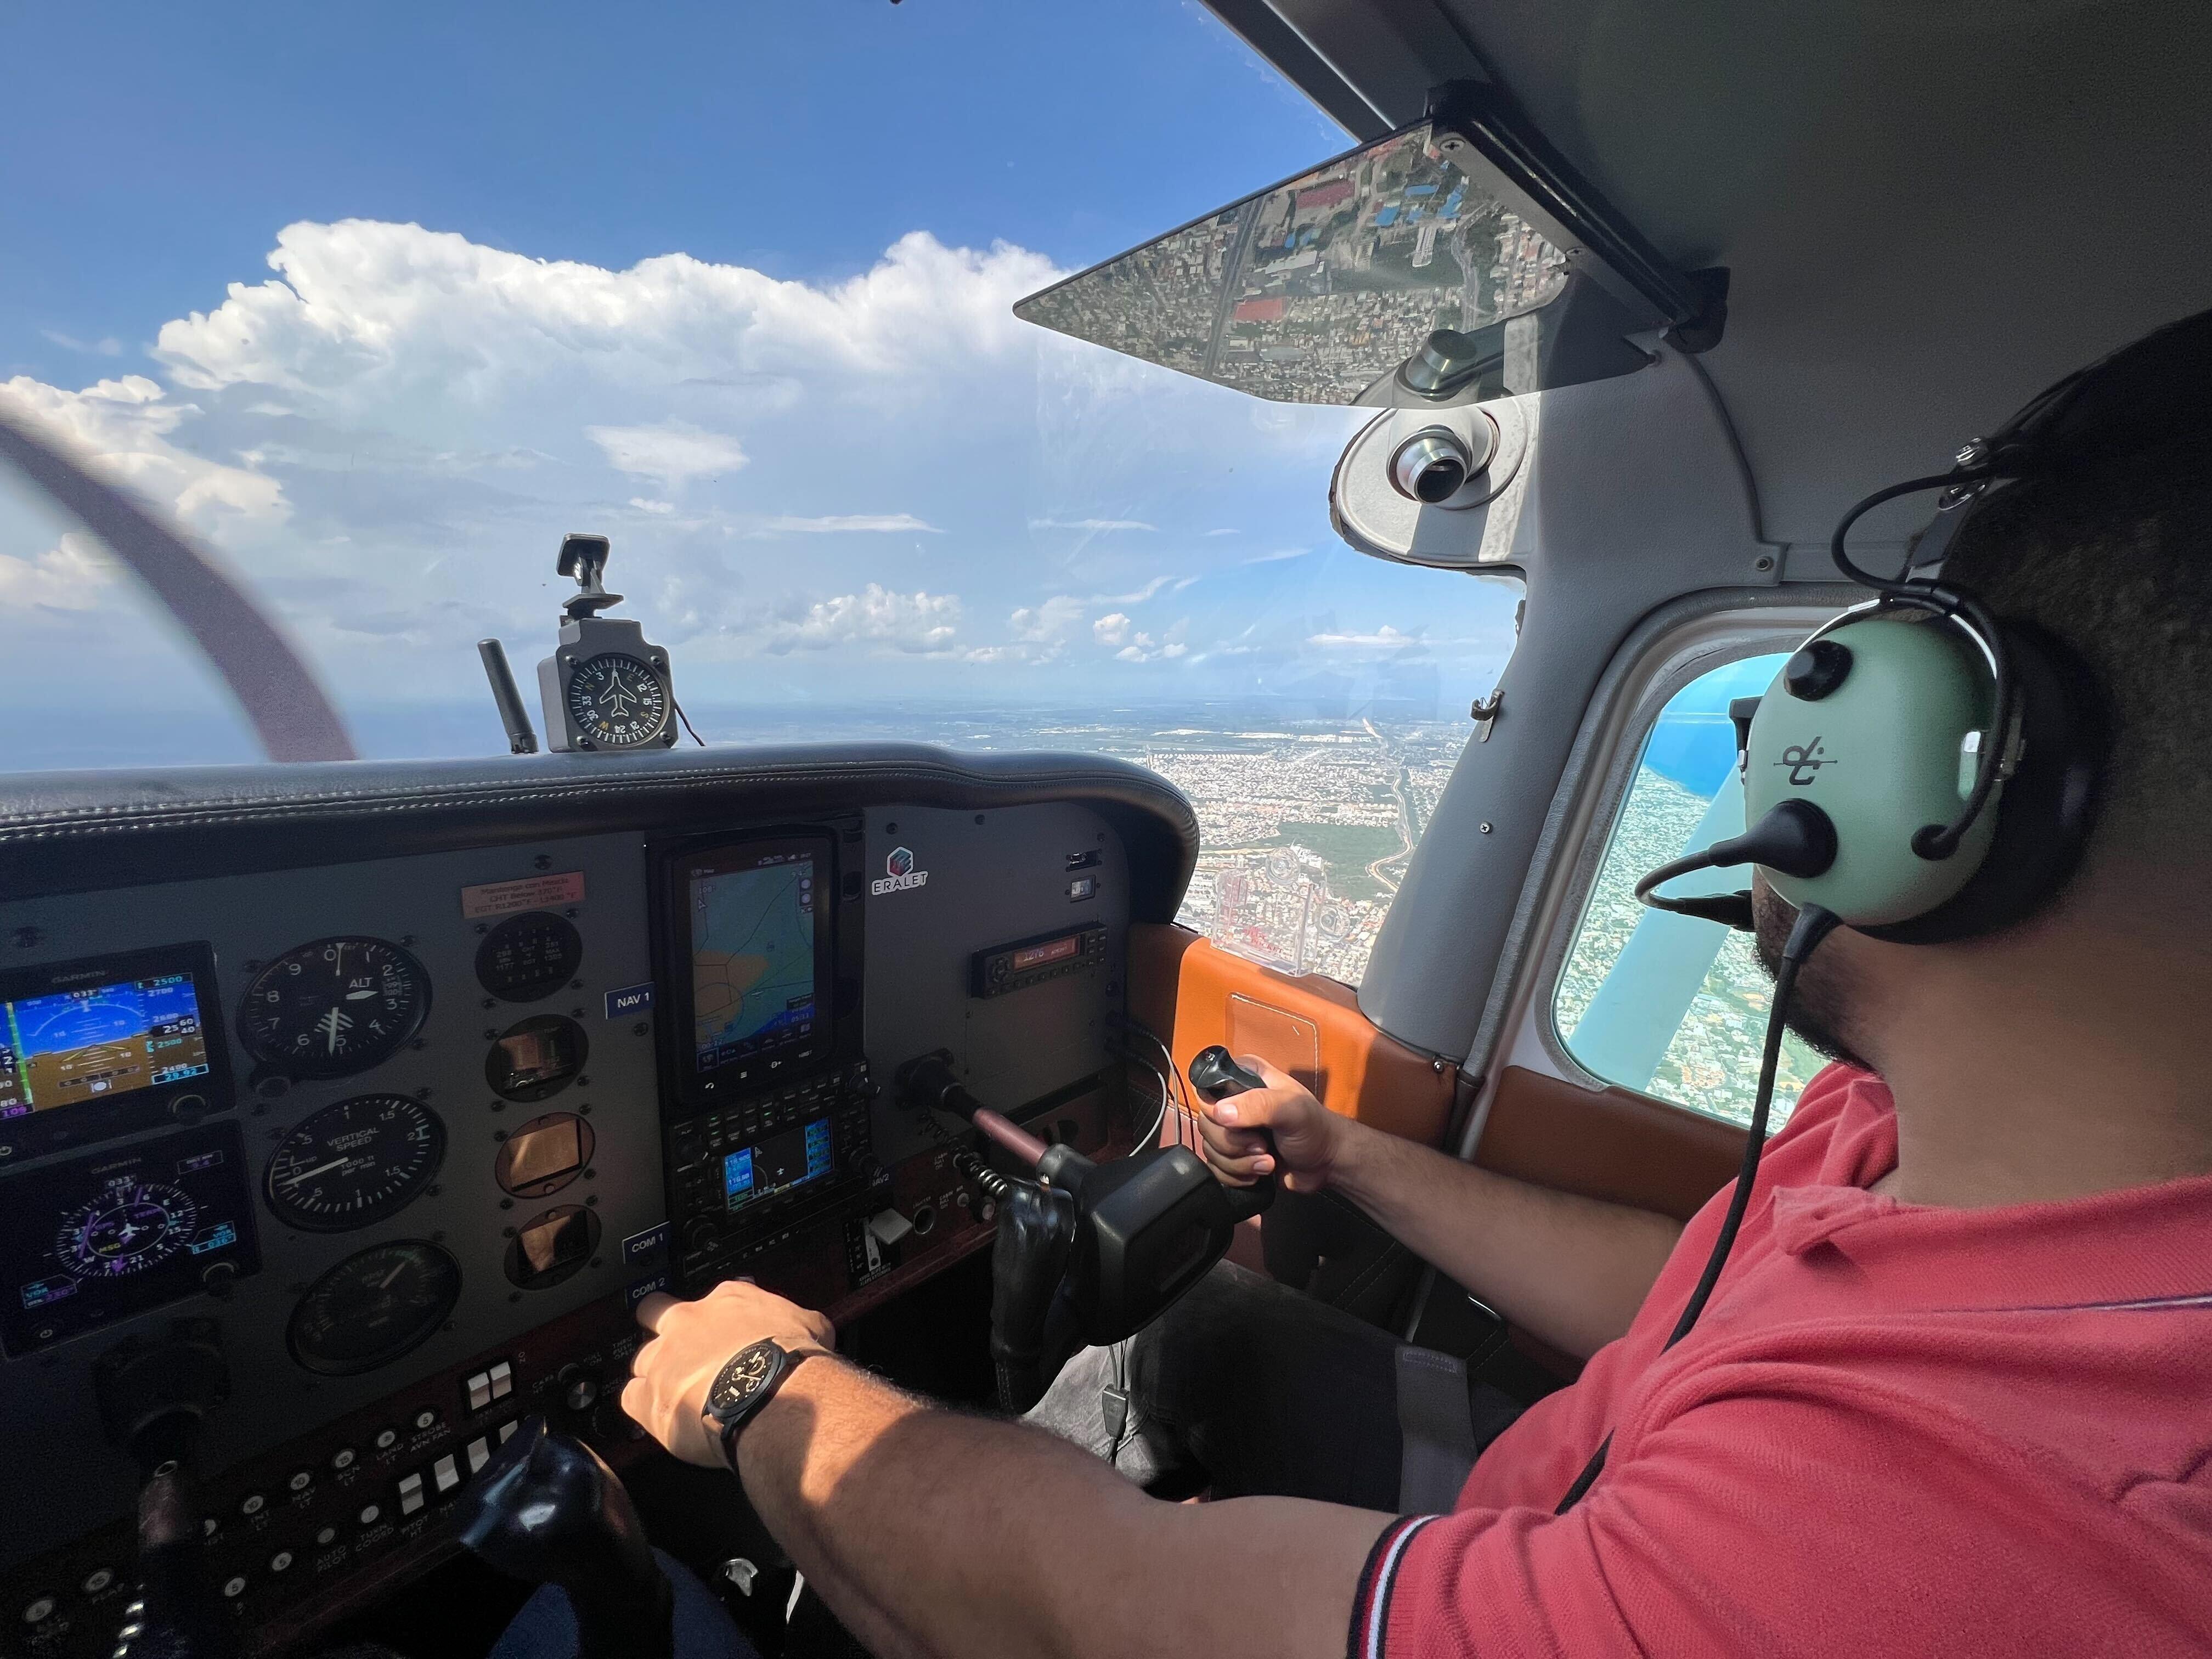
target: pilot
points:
(1950, 1397)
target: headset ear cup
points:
(2046, 809)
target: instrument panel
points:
(417, 1133)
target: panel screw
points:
(1764, 562)
(514, 1296)
(491, 1036)
(489, 1003)
(498, 1134)
(542, 861)
(640, 1029)
(483, 928)
(575, 985)
(507, 1204)
(1483, 828)
(506, 1232)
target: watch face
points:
(750, 1370)
(617, 701)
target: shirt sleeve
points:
(1764, 1526)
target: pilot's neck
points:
(2073, 1065)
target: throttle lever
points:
(1213, 1071)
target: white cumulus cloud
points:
(1385, 638)
(674, 452)
(915, 623)
(832, 524)
(73, 575)
(1113, 628)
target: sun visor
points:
(1455, 261)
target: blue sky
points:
(379, 303)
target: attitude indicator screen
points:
(64, 1047)
(754, 976)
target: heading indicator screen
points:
(64, 1047)
(777, 1164)
(754, 976)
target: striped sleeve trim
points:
(1370, 1606)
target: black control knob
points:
(699, 1233)
(1817, 670)
(1215, 1072)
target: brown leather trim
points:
(1192, 994)
(1611, 1144)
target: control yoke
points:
(1134, 1234)
(154, 1393)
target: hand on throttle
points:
(691, 1342)
(1308, 1136)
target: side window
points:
(1671, 1005)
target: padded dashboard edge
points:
(77, 831)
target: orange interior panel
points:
(1192, 995)
(1611, 1144)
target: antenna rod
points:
(521, 737)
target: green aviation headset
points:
(1922, 769)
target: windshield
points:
(380, 316)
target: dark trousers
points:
(1248, 1387)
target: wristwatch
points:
(747, 1383)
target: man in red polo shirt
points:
(1950, 1395)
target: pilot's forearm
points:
(1571, 1271)
(949, 1537)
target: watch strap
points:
(728, 1429)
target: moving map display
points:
(61, 1047)
(753, 967)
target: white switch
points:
(890, 1226)
(479, 1388)
(506, 1432)
(411, 1496)
(445, 1472)
(479, 1452)
(502, 1379)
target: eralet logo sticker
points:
(899, 873)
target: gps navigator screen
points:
(62, 1048)
(753, 969)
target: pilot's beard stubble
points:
(1821, 1007)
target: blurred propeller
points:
(289, 711)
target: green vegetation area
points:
(1347, 848)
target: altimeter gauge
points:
(354, 1163)
(333, 1006)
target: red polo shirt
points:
(1896, 1429)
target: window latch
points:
(1484, 712)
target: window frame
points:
(1663, 668)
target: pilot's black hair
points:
(2117, 562)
